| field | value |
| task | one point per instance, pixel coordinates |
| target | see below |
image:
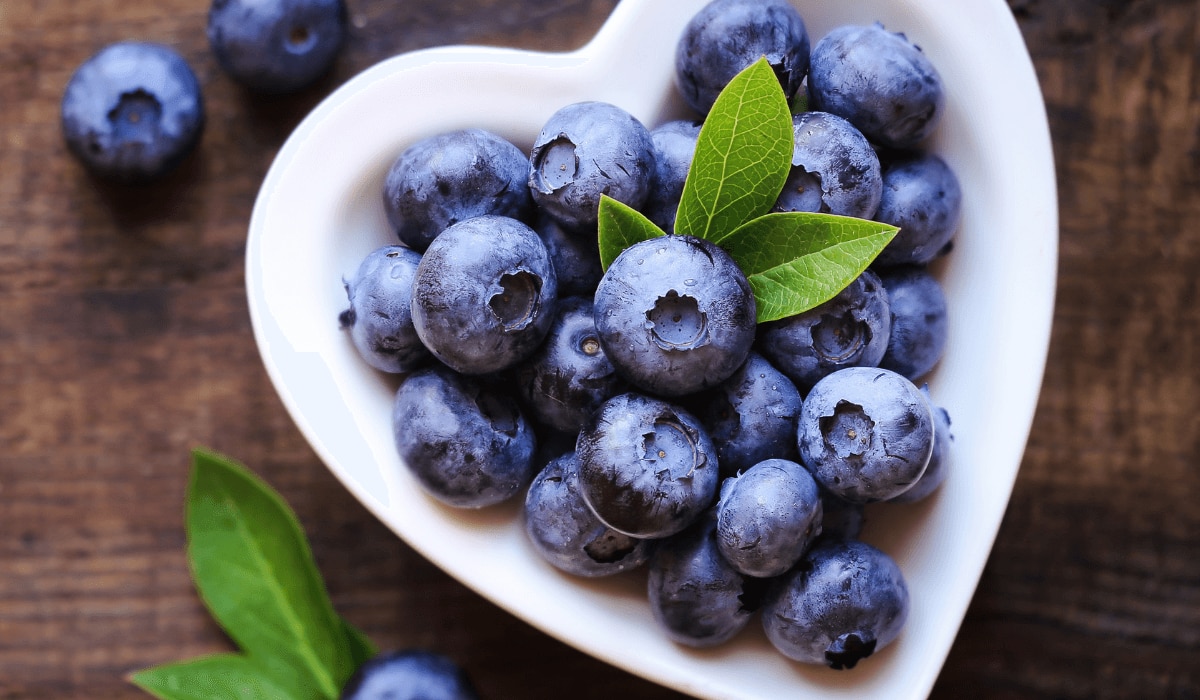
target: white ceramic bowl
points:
(320, 212)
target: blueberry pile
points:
(640, 411)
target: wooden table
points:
(125, 341)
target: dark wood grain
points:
(125, 340)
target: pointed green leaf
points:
(796, 261)
(254, 570)
(743, 156)
(217, 677)
(362, 649)
(620, 227)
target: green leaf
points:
(362, 649)
(218, 677)
(795, 261)
(253, 568)
(743, 156)
(620, 226)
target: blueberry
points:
(939, 460)
(448, 178)
(132, 112)
(919, 324)
(726, 36)
(751, 416)
(849, 330)
(568, 376)
(575, 256)
(568, 534)
(276, 46)
(674, 145)
(834, 169)
(585, 150)
(675, 315)
(646, 467)
(767, 517)
(409, 675)
(844, 601)
(379, 318)
(879, 81)
(922, 196)
(484, 294)
(467, 445)
(865, 433)
(696, 597)
(840, 519)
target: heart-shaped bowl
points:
(320, 212)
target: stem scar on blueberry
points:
(518, 302)
(677, 323)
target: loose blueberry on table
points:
(276, 46)
(132, 112)
(409, 675)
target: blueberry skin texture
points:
(879, 81)
(132, 112)
(674, 146)
(726, 36)
(919, 321)
(646, 468)
(751, 416)
(409, 675)
(768, 517)
(939, 460)
(866, 434)
(834, 169)
(276, 46)
(586, 150)
(844, 601)
(450, 177)
(567, 534)
(484, 294)
(696, 597)
(849, 330)
(380, 318)
(468, 446)
(921, 195)
(568, 377)
(576, 257)
(675, 315)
